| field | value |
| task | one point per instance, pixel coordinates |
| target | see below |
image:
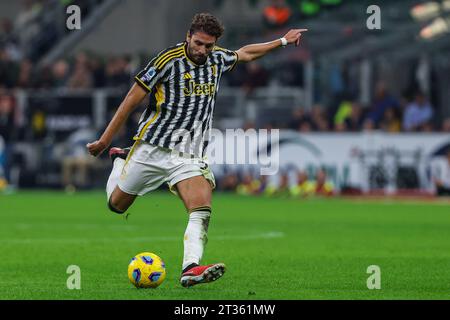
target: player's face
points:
(199, 46)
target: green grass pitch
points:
(273, 248)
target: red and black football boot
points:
(195, 274)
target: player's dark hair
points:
(208, 24)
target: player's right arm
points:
(131, 101)
(145, 80)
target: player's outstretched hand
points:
(96, 148)
(293, 36)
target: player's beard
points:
(198, 59)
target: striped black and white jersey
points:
(182, 96)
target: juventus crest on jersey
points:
(182, 96)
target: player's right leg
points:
(118, 200)
(195, 192)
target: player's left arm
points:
(254, 51)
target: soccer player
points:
(182, 82)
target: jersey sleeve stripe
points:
(169, 58)
(142, 84)
(220, 49)
(230, 57)
(166, 54)
(235, 61)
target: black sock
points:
(192, 265)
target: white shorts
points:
(149, 166)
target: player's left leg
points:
(195, 192)
(136, 171)
(118, 201)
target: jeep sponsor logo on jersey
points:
(199, 89)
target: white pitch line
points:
(267, 235)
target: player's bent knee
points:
(114, 209)
(119, 201)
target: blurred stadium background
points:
(360, 111)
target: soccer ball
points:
(146, 270)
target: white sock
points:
(113, 179)
(195, 237)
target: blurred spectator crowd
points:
(33, 32)
(83, 71)
(278, 13)
(298, 184)
(386, 112)
(38, 26)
